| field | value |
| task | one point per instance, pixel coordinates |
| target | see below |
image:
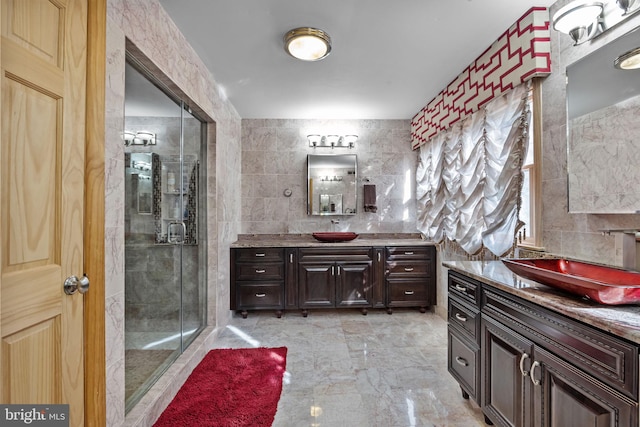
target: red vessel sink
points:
(332, 237)
(606, 285)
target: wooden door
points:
(42, 161)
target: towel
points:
(370, 198)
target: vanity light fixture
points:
(128, 137)
(139, 138)
(629, 60)
(307, 44)
(625, 5)
(580, 19)
(333, 141)
(147, 138)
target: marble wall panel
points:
(274, 156)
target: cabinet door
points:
(316, 285)
(378, 293)
(353, 285)
(291, 284)
(506, 392)
(566, 397)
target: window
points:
(530, 235)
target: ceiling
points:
(388, 58)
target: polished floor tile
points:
(348, 369)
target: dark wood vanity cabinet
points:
(258, 276)
(410, 277)
(334, 277)
(273, 278)
(541, 368)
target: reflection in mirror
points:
(331, 186)
(141, 182)
(603, 106)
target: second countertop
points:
(623, 320)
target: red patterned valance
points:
(521, 53)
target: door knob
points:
(73, 284)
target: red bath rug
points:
(230, 388)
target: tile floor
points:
(346, 369)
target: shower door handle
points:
(177, 232)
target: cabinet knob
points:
(260, 271)
(408, 269)
(408, 253)
(261, 295)
(408, 292)
(260, 254)
(461, 288)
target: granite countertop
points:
(307, 240)
(622, 320)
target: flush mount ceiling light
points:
(307, 44)
(629, 60)
(579, 19)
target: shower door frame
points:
(201, 230)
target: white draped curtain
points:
(469, 178)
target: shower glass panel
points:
(165, 251)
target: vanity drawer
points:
(259, 255)
(462, 363)
(465, 289)
(264, 295)
(408, 269)
(335, 254)
(260, 271)
(464, 317)
(409, 293)
(410, 252)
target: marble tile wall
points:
(167, 54)
(274, 154)
(566, 234)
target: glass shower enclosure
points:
(165, 230)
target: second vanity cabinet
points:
(333, 276)
(540, 368)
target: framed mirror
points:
(331, 184)
(603, 131)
